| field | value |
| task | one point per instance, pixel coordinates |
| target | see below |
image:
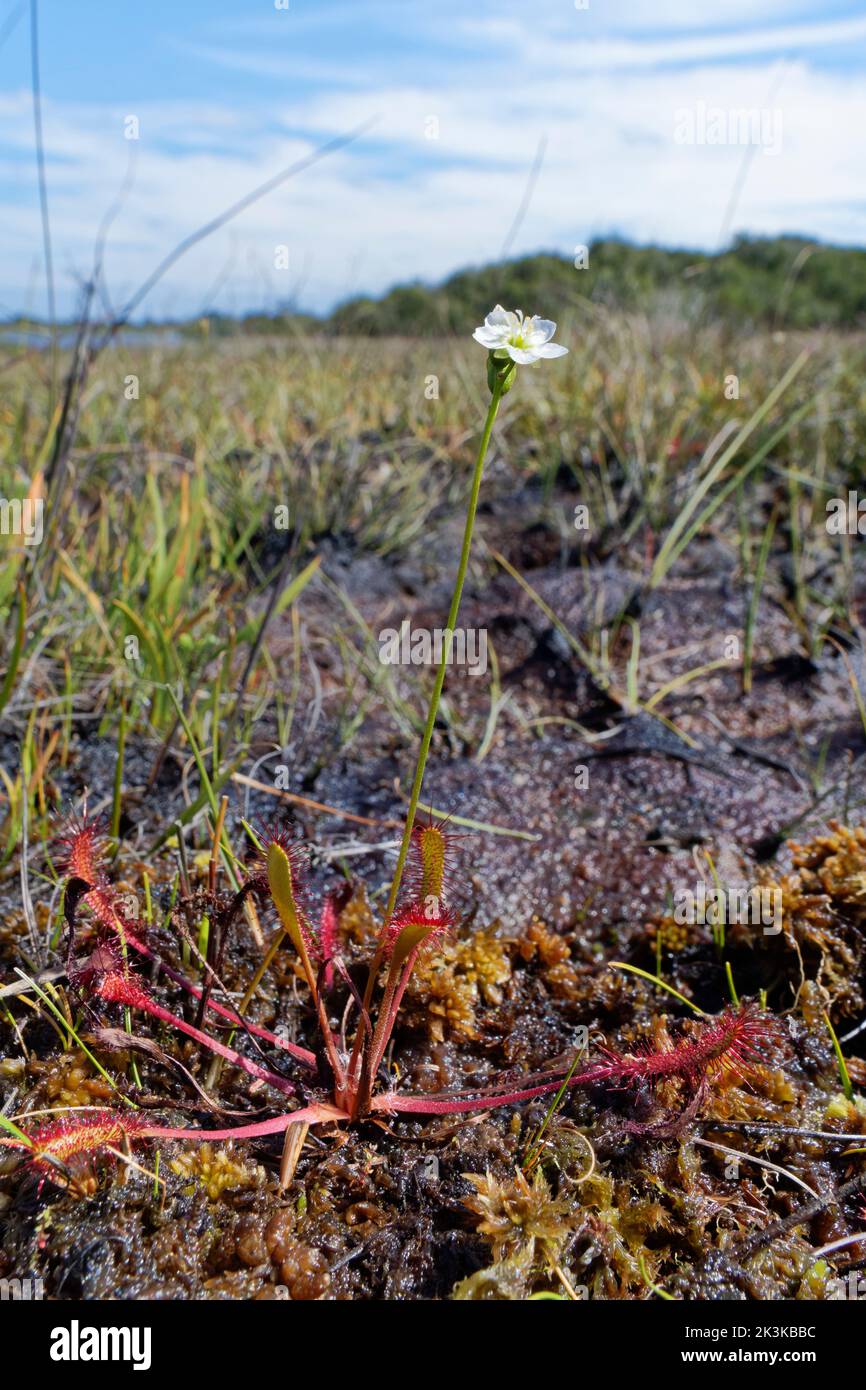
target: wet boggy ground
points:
(631, 1190)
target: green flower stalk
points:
(511, 340)
(500, 374)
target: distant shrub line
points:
(778, 282)
(786, 282)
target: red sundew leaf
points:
(731, 1042)
(118, 988)
(83, 843)
(82, 840)
(82, 1134)
(59, 1143)
(82, 848)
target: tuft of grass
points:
(844, 1075)
(654, 980)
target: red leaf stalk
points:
(317, 1114)
(84, 842)
(117, 988)
(730, 1043)
(423, 920)
(329, 934)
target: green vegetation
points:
(163, 533)
(782, 282)
(776, 282)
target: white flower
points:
(523, 340)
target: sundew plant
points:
(340, 1082)
(216, 1004)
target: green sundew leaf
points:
(431, 847)
(410, 937)
(283, 894)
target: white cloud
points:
(585, 53)
(398, 205)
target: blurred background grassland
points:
(164, 524)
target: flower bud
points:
(501, 370)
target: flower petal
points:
(522, 355)
(550, 350)
(544, 328)
(490, 337)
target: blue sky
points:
(648, 115)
